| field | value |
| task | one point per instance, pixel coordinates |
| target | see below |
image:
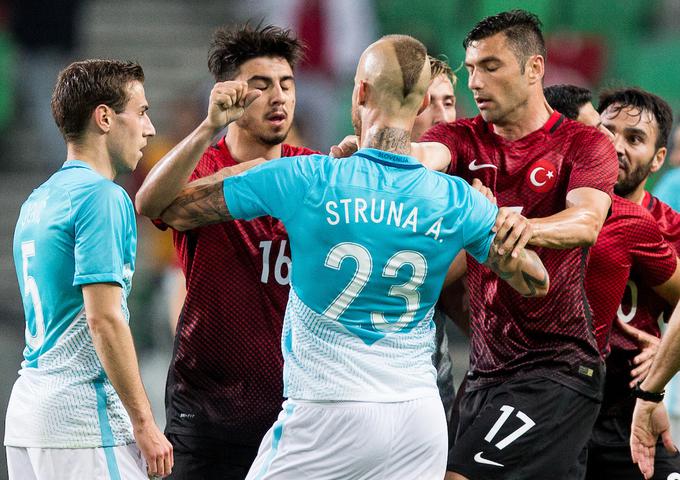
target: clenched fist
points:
(228, 101)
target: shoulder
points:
(453, 132)
(625, 209)
(634, 219)
(578, 134)
(102, 196)
(216, 157)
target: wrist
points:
(648, 395)
(209, 129)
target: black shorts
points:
(525, 428)
(609, 454)
(199, 458)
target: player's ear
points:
(102, 117)
(535, 68)
(425, 104)
(362, 93)
(659, 159)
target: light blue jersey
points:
(372, 237)
(77, 228)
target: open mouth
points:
(276, 118)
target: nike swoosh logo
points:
(473, 165)
(480, 459)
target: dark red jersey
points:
(512, 335)
(225, 379)
(630, 242)
(642, 308)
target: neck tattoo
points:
(389, 139)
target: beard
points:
(262, 133)
(273, 139)
(632, 180)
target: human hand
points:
(648, 344)
(156, 450)
(513, 232)
(228, 101)
(346, 148)
(650, 420)
(484, 190)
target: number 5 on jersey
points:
(37, 321)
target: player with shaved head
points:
(371, 237)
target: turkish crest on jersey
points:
(541, 176)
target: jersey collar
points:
(549, 127)
(390, 159)
(75, 164)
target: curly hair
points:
(231, 47)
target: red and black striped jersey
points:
(512, 335)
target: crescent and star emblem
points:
(541, 176)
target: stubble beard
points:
(633, 180)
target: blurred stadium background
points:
(593, 43)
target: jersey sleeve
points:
(104, 225)
(595, 164)
(446, 135)
(274, 188)
(654, 259)
(477, 234)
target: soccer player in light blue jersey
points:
(372, 237)
(79, 409)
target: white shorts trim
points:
(104, 463)
(355, 440)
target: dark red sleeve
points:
(291, 151)
(654, 258)
(595, 164)
(446, 135)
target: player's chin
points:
(276, 137)
(488, 115)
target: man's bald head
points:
(398, 71)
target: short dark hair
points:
(411, 55)
(522, 29)
(567, 99)
(84, 85)
(440, 67)
(642, 100)
(231, 47)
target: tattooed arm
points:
(522, 269)
(526, 273)
(187, 210)
(200, 203)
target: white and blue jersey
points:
(372, 237)
(77, 228)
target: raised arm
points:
(166, 179)
(113, 342)
(576, 226)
